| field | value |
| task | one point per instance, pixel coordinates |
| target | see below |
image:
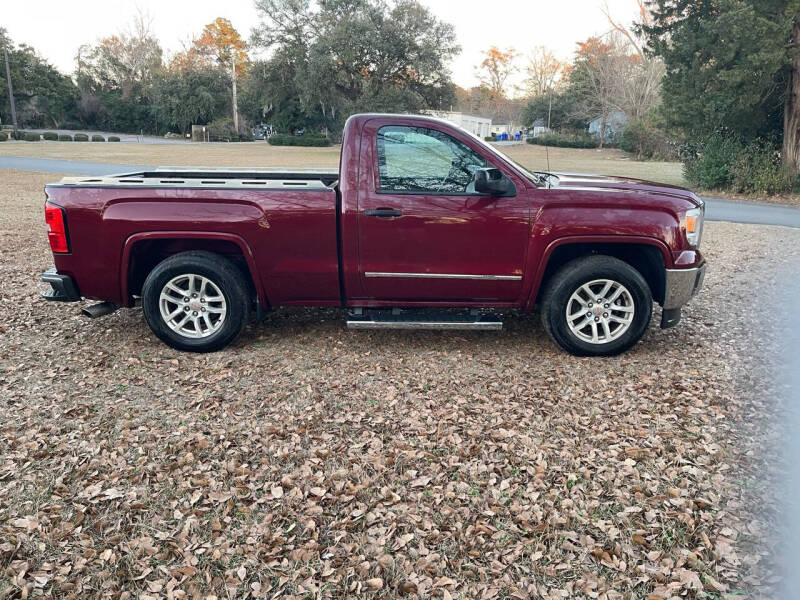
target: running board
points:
(399, 319)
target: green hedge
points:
(81, 137)
(3, 136)
(113, 138)
(32, 137)
(490, 138)
(50, 136)
(564, 141)
(64, 137)
(722, 161)
(98, 138)
(298, 140)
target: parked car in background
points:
(262, 131)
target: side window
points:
(418, 159)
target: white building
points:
(480, 126)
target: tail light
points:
(56, 228)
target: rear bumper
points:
(63, 288)
(681, 286)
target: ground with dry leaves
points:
(311, 461)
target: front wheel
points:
(195, 301)
(596, 306)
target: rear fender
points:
(188, 235)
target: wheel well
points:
(146, 254)
(644, 258)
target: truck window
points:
(423, 160)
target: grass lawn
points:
(260, 154)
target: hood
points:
(627, 184)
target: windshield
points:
(537, 177)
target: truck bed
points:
(205, 177)
(281, 222)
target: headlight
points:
(693, 224)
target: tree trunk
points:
(791, 113)
(602, 131)
(235, 102)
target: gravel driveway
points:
(313, 461)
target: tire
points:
(213, 319)
(613, 327)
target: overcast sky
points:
(57, 27)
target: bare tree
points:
(125, 60)
(610, 78)
(544, 71)
(645, 20)
(497, 66)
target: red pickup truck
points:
(422, 226)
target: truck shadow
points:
(521, 331)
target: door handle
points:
(383, 213)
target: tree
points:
(562, 110)
(496, 68)
(125, 62)
(335, 57)
(186, 95)
(222, 42)
(731, 64)
(544, 72)
(42, 95)
(608, 77)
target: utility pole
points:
(235, 104)
(10, 88)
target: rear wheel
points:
(596, 306)
(196, 301)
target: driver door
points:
(424, 234)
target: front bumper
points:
(681, 286)
(63, 287)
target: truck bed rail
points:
(192, 177)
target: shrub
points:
(64, 138)
(32, 137)
(19, 134)
(50, 136)
(721, 161)
(709, 163)
(758, 170)
(246, 137)
(298, 140)
(221, 130)
(81, 137)
(3, 136)
(644, 139)
(113, 138)
(98, 138)
(490, 138)
(562, 140)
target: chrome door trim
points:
(446, 276)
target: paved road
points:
(68, 167)
(717, 209)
